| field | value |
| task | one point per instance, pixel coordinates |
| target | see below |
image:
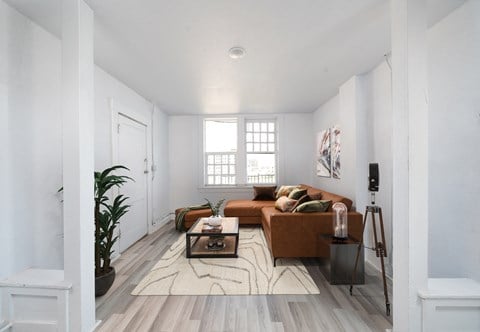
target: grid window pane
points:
(260, 147)
(261, 168)
(221, 135)
(220, 169)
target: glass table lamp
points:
(340, 221)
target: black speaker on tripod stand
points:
(373, 177)
(380, 245)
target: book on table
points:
(211, 229)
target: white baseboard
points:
(5, 326)
(374, 267)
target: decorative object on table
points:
(323, 153)
(340, 221)
(216, 218)
(215, 243)
(206, 228)
(335, 155)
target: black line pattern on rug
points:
(254, 263)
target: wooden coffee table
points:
(199, 243)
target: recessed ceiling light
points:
(236, 52)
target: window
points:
(260, 148)
(220, 151)
(239, 151)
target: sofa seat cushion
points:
(246, 208)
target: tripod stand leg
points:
(385, 290)
(359, 248)
(382, 232)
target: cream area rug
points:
(252, 273)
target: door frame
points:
(117, 109)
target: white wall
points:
(378, 100)
(185, 142)
(454, 137)
(31, 227)
(30, 93)
(454, 133)
(347, 110)
(362, 109)
(161, 181)
(108, 88)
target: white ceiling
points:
(174, 53)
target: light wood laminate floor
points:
(332, 310)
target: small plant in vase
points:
(216, 218)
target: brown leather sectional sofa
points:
(294, 234)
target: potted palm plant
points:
(107, 217)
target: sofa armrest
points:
(297, 234)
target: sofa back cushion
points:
(264, 193)
(328, 196)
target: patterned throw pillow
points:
(297, 193)
(301, 200)
(313, 206)
(264, 193)
(285, 190)
(285, 204)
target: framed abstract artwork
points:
(323, 153)
(335, 156)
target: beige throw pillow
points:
(285, 204)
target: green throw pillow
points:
(313, 206)
(297, 193)
(301, 200)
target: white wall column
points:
(410, 161)
(78, 158)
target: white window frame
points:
(241, 154)
(275, 148)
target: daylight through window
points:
(240, 151)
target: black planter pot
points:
(104, 282)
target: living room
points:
(360, 104)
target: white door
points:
(132, 153)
